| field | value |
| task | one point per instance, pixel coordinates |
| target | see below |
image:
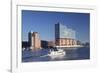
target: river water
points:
(42, 55)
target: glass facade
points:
(64, 36)
(62, 31)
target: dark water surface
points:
(42, 55)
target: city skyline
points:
(43, 22)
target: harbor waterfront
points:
(55, 36)
(44, 54)
(64, 47)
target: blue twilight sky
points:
(43, 22)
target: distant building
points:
(47, 44)
(64, 36)
(51, 44)
(44, 44)
(78, 42)
(34, 40)
(29, 38)
(25, 44)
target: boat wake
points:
(57, 54)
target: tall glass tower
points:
(64, 36)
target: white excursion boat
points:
(57, 54)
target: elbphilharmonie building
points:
(64, 36)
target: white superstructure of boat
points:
(57, 54)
